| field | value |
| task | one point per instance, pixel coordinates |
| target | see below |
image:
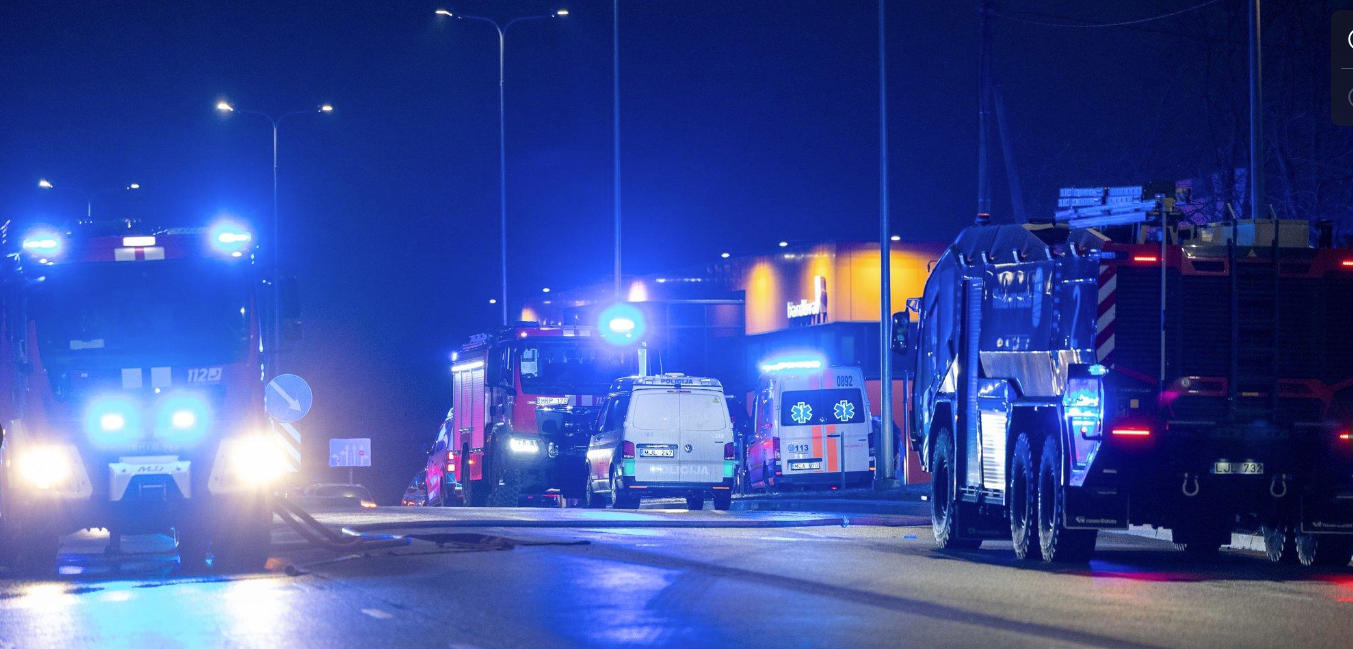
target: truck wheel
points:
(1324, 550)
(944, 499)
(240, 542)
(723, 500)
(1280, 544)
(695, 502)
(1023, 498)
(506, 490)
(194, 544)
(30, 554)
(476, 493)
(1056, 542)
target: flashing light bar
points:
(1132, 432)
(138, 242)
(48, 243)
(465, 367)
(1146, 259)
(1347, 263)
(676, 379)
(780, 366)
(1346, 436)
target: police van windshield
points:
(140, 314)
(572, 366)
(819, 407)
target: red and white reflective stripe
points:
(1105, 313)
(149, 253)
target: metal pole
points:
(502, 172)
(615, 135)
(276, 264)
(1256, 115)
(983, 89)
(885, 475)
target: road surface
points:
(586, 585)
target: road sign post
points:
(287, 399)
(350, 452)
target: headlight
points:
(257, 460)
(523, 445)
(44, 466)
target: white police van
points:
(662, 436)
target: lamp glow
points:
(44, 183)
(224, 106)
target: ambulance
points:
(668, 435)
(811, 428)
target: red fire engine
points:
(523, 401)
(131, 394)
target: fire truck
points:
(1115, 367)
(131, 394)
(524, 402)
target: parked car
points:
(416, 494)
(334, 496)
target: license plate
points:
(805, 466)
(1238, 468)
(657, 452)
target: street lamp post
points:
(43, 183)
(502, 133)
(226, 107)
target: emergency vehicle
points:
(442, 486)
(662, 436)
(811, 428)
(523, 401)
(130, 392)
(1100, 371)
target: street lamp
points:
(502, 138)
(43, 183)
(225, 107)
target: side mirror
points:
(901, 327)
(289, 299)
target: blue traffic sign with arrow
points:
(288, 398)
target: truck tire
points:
(29, 554)
(1056, 542)
(1023, 501)
(1324, 550)
(1280, 544)
(506, 490)
(695, 502)
(240, 542)
(723, 500)
(944, 505)
(476, 494)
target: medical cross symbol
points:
(801, 413)
(844, 410)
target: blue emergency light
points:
(792, 363)
(43, 243)
(621, 324)
(230, 238)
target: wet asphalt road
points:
(587, 586)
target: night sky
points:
(743, 122)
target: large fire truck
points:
(1100, 371)
(131, 394)
(524, 401)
